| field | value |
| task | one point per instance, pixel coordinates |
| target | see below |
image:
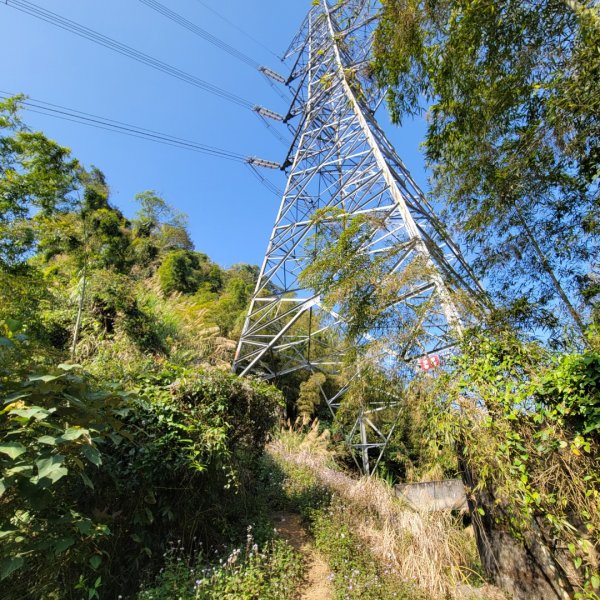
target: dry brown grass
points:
(431, 550)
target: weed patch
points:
(377, 548)
(272, 571)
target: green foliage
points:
(274, 571)
(573, 388)
(158, 229)
(185, 271)
(36, 176)
(357, 574)
(96, 477)
(51, 425)
(229, 310)
(527, 430)
(365, 286)
(90, 474)
(25, 300)
(511, 90)
(291, 487)
(310, 395)
(160, 471)
(413, 453)
(114, 306)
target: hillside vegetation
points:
(132, 461)
(123, 434)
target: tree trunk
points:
(526, 569)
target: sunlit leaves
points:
(512, 94)
(36, 176)
(12, 449)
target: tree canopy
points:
(512, 94)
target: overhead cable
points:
(98, 38)
(202, 33)
(91, 120)
(274, 132)
(264, 181)
(240, 29)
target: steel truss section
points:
(341, 159)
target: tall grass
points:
(432, 551)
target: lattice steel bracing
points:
(340, 158)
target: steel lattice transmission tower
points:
(341, 159)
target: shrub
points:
(273, 571)
(532, 453)
(185, 271)
(182, 476)
(573, 388)
(51, 426)
(95, 481)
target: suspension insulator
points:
(272, 74)
(269, 114)
(261, 162)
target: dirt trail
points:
(317, 586)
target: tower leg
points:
(364, 444)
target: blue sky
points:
(231, 213)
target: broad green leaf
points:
(12, 449)
(116, 438)
(66, 367)
(48, 440)
(23, 470)
(63, 544)
(84, 527)
(73, 433)
(13, 325)
(15, 396)
(34, 412)
(45, 378)
(95, 561)
(2, 490)
(10, 565)
(51, 468)
(6, 532)
(87, 481)
(92, 455)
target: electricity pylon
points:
(340, 159)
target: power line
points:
(98, 38)
(241, 30)
(273, 131)
(98, 122)
(264, 181)
(202, 33)
(64, 113)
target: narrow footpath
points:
(317, 582)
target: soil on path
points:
(317, 584)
